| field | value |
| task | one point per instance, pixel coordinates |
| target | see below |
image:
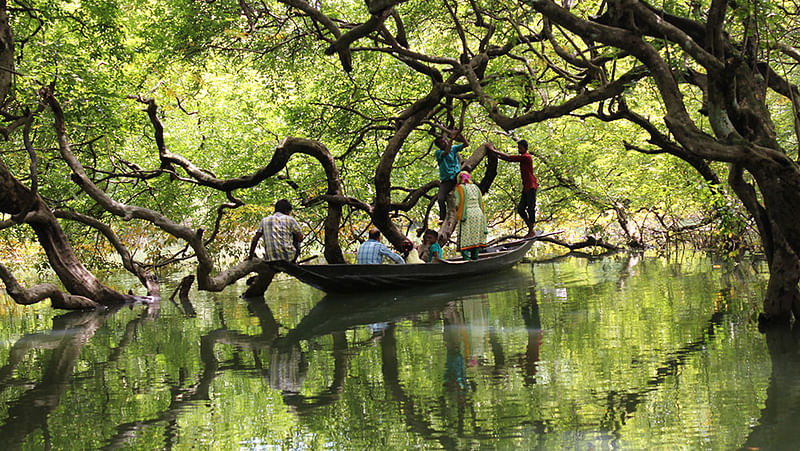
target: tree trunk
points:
(258, 284)
(73, 275)
(6, 54)
(780, 240)
(782, 297)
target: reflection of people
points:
(533, 324)
(447, 155)
(430, 251)
(455, 371)
(472, 228)
(373, 251)
(287, 369)
(281, 234)
(527, 202)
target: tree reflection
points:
(471, 358)
(70, 334)
(621, 405)
(416, 420)
(777, 427)
(305, 405)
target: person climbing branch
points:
(449, 159)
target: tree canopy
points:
(160, 124)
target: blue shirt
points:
(434, 249)
(448, 164)
(372, 253)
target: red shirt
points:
(525, 170)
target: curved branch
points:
(149, 280)
(342, 43)
(414, 196)
(589, 241)
(40, 292)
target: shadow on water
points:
(287, 365)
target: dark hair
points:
(440, 142)
(374, 234)
(522, 143)
(431, 232)
(283, 206)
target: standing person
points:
(281, 233)
(373, 251)
(448, 158)
(472, 229)
(527, 202)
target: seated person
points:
(373, 251)
(430, 251)
(410, 252)
(281, 235)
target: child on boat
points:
(430, 251)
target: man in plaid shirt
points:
(281, 233)
(373, 251)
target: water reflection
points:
(777, 426)
(456, 344)
(533, 326)
(508, 362)
(64, 343)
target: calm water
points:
(616, 353)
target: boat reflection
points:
(342, 312)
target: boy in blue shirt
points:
(447, 155)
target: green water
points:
(617, 353)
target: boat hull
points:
(345, 278)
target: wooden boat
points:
(345, 278)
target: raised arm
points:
(497, 153)
(456, 135)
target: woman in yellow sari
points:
(472, 229)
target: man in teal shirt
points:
(447, 155)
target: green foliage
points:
(230, 87)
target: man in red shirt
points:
(527, 202)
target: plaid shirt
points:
(372, 253)
(278, 233)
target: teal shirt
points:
(434, 249)
(448, 164)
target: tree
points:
(726, 54)
(706, 86)
(726, 63)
